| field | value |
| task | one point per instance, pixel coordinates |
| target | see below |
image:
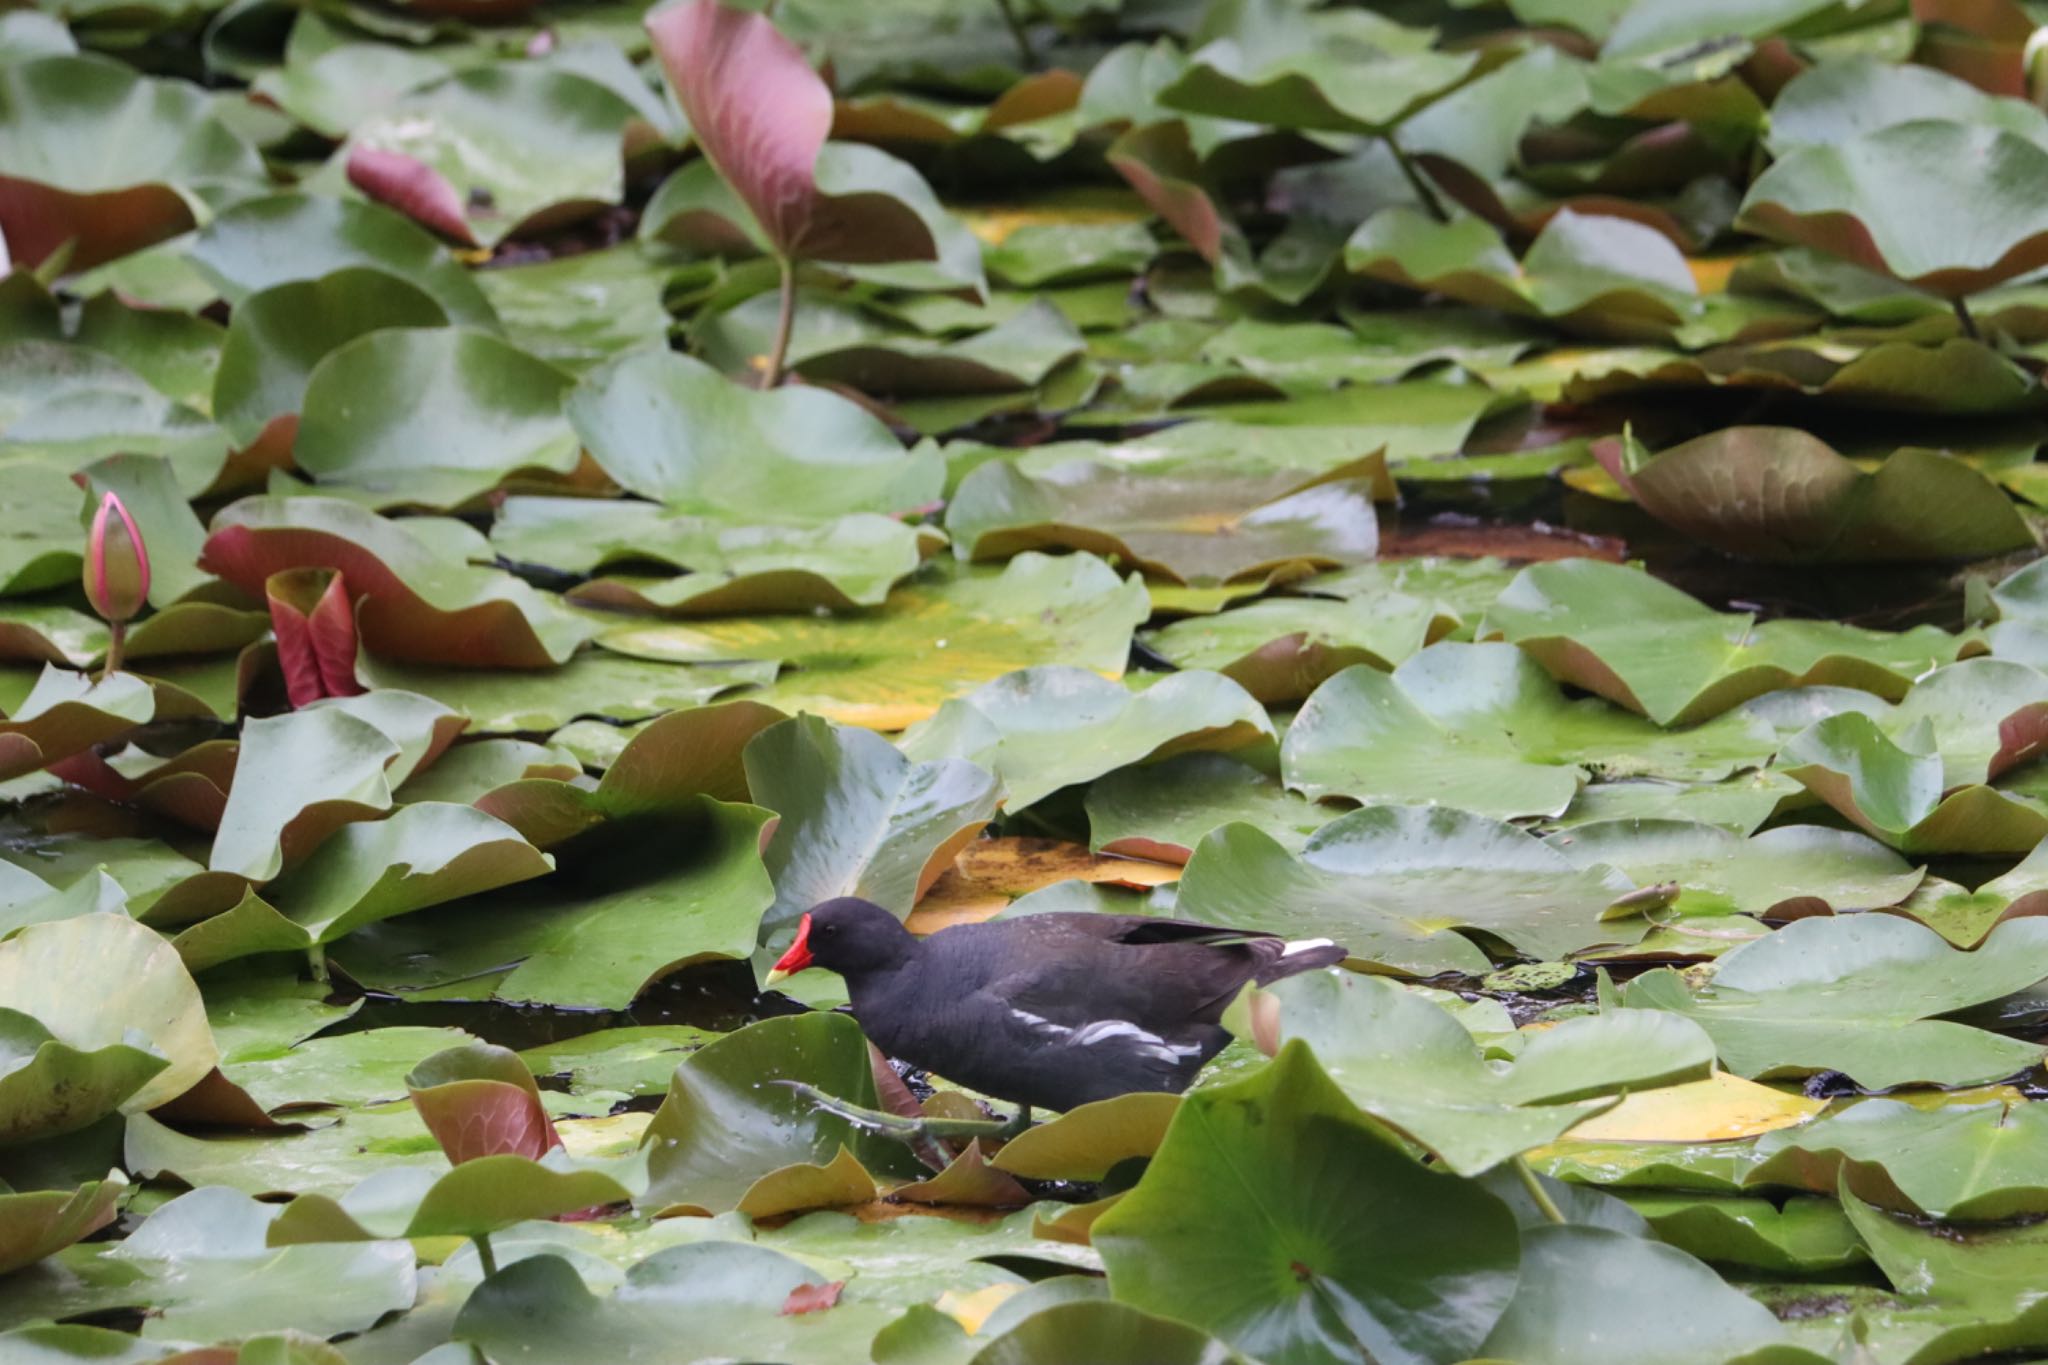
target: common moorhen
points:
(1051, 1010)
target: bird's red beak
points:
(797, 958)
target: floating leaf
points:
(1481, 728)
(1652, 648)
(509, 147)
(425, 853)
(1162, 810)
(1885, 978)
(157, 1007)
(415, 603)
(1410, 1064)
(481, 411)
(727, 1126)
(68, 181)
(1941, 206)
(1974, 1162)
(857, 818)
(1219, 1234)
(1786, 872)
(1282, 649)
(675, 430)
(1393, 884)
(929, 643)
(1040, 729)
(39, 1223)
(1781, 495)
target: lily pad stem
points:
(1968, 323)
(316, 960)
(1417, 181)
(484, 1253)
(1544, 1202)
(117, 639)
(1018, 34)
(784, 322)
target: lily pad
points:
(858, 818)
(1482, 728)
(1410, 1064)
(432, 417)
(1781, 495)
(415, 602)
(675, 430)
(1041, 729)
(1938, 205)
(1650, 647)
(1218, 1233)
(1789, 871)
(1282, 649)
(39, 1223)
(1886, 979)
(426, 853)
(932, 641)
(68, 181)
(727, 1126)
(1163, 810)
(1974, 1162)
(1395, 884)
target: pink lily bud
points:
(116, 564)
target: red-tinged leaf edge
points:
(39, 220)
(412, 187)
(480, 1100)
(1160, 164)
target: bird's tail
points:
(1301, 955)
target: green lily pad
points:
(675, 430)
(424, 854)
(1656, 650)
(689, 1303)
(726, 1125)
(39, 1223)
(200, 1264)
(620, 288)
(66, 713)
(1190, 529)
(1885, 978)
(432, 416)
(475, 1199)
(1969, 1162)
(932, 641)
(261, 243)
(67, 181)
(1282, 649)
(49, 1088)
(1218, 1233)
(1801, 1237)
(1410, 1064)
(42, 545)
(1482, 728)
(508, 147)
(1941, 206)
(1396, 884)
(300, 777)
(1690, 1317)
(1602, 276)
(1044, 728)
(277, 336)
(595, 683)
(1162, 810)
(1792, 870)
(158, 1006)
(631, 1060)
(1975, 1280)
(857, 817)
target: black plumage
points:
(1050, 1010)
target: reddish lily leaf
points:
(480, 1100)
(761, 116)
(315, 625)
(413, 603)
(1161, 165)
(755, 106)
(812, 1298)
(412, 187)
